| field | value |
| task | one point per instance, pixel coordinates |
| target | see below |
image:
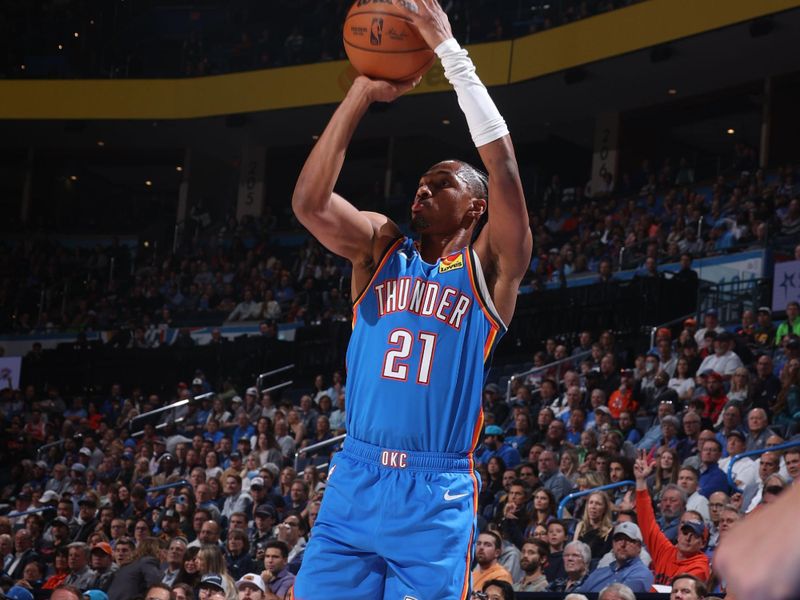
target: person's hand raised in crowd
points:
(642, 469)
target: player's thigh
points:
(340, 560)
(432, 539)
(334, 571)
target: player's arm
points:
(506, 240)
(336, 223)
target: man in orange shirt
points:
(687, 555)
(487, 551)
(621, 399)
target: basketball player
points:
(398, 517)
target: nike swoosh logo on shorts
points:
(448, 497)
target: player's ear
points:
(477, 207)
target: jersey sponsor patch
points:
(451, 263)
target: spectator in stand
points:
(769, 465)
(550, 477)
(687, 555)
(139, 575)
(758, 431)
(712, 479)
(667, 465)
(535, 555)
(682, 381)
(627, 567)
(80, 575)
(745, 470)
(710, 323)
(715, 399)
(687, 587)
(621, 399)
(765, 384)
(487, 553)
(792, 323)
(689, 481)
(786, 410)
(247, 310)
(594, 529)
(276, 575)
(577, 558)
(764, 332)
(724, 360)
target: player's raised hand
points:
(378, 90)
(430, 20)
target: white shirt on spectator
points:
(246, 311)
(745, 470)
(724, 365)
(699, 503)
(700, 334)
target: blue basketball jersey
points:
(423, 336)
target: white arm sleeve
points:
(483, 119)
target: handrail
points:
(30, 511)
(277, 386)
(736, 457)
(41, 449)
(655, 328)
(549, 365)
(321, 444)
(263, 376)
(570, 497)
(156, 411)
(157, 427)
(166, 486)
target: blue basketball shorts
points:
(393, 524)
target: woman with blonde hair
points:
(667, 466)
(210, 559)
(594, 528)
(740, 386)
(568, 465)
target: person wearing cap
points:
(494, 445)
(102, 563)
(764, 330)
(687, 555)
(724, 360)
(87, 517)
(710, 323)
(211, 587)
(277, 578)
(264, 519)
(627, 567)
(792, 323)
(18, 592)
(251, 587)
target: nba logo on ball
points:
(376, 31)
(381, 40)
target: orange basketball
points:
(381, 41)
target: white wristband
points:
(483, 119)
